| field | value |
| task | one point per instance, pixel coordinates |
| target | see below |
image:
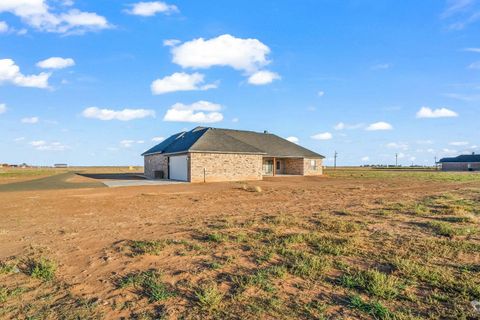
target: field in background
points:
(357, 243)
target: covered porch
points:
(278, 166)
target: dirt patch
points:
(303, 247)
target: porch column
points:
(274, 166)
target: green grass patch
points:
(141, 247)
(305, 265)
(41, 268)
(209, 297)
(373, 282)
(149, 284)
(374, 309)
(6, 268)
(6, 293)
(216, 237)
(447, 230)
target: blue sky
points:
(98, 82)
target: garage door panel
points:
(178, 168)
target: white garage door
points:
(178, 168)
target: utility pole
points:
(335, 160)
(396, 159)
(436, 166)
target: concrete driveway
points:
(132, 183)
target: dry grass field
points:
(354, 244)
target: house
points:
(468, 162)
(207, 154)
(60, 165)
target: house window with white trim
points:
(313, 164)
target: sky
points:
(88, 82)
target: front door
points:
(268, 167)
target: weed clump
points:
(373, 282)
(148, 283)
(208, 297)
(375, 309)
(141, 247)
(42, 269)
(447, 230)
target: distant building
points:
(467, 162)
(60, 165)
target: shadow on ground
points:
(59, 181)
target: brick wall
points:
(459, 166)
(224, 167)
(155, 162)
(303, 166)
(312, 167)
(294, 166)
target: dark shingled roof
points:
(463, 158)
(208, 139)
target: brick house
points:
(207, 154)
(468, 162)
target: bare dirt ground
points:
(352, 244)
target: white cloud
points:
(171, 42)
(424, 142)
(56, 63)
(378, 126)
(180, 81)
(426, 112)
(199, 112)
(40, 16)
(365, 159)
(293, 139)
(10, 73)
(449, 151)
(475, 65)
(30, 120)
(476, 50)
(463, 97)
(235, 120)
(381, 66)
(263, 77)
(321, 93)
(158, 139)
(148, 9)
(322, 136)
(345, 126)
(397, 145)
(247, 55)
(3, 108)
(459, 143)
(455, 6)
(3, 27)
(122, 115)
(48, 146)
(19, 139)
(130, 143)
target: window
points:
(313, 164)
(278, 165)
